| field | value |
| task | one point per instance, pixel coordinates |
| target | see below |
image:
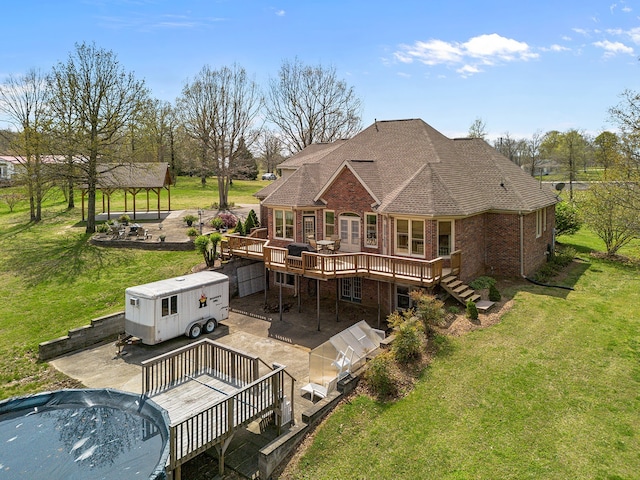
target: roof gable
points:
(409, 167)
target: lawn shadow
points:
(63, 258)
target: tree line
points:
(610, 207)
(89, 111)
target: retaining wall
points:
(78, 338)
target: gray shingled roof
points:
(133, 175)
(414, 169)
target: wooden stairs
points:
(464, 293)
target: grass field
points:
(52, 279)
(551, 392)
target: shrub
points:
(251, 222)
(217, 223)
(379, 375)
(472, 310)
(207, 245)
(481, 283)
(453, 309)
(429, 309)
(103, 228)
(192, 232)
(229, 220)
(408, 341)
(239, 228)
(494, 294)
(567, 218)
(124, 218)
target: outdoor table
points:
(324, 244)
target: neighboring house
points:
(407, 204)
(8, 166)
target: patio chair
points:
(335, 246)
(317, 390)
(313, 243)
(343, 361)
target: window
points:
(351, 289)
(283, 220)
(403, 300)
(170, 305)
(285, 279)
(410, 237)
(372, 230)
(540, 219)
(329, 223)
(444, 238)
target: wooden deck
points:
(424, 273)
(207, 405)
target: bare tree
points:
(270, 149)
(103, 101)
(309, 104)
(219, 110)
(512, 148)
(23, 99)
(533, 151)
(478, 129)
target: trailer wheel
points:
(195, 331)
(210, 326)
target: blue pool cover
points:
(83, 434)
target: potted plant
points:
(189, 219)
(162, 237)
(124, 219)
(192, 233)
(217, 223)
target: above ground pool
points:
(83, 434)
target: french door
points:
(349, 233)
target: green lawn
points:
(551, 392)
(52, 279)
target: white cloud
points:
(280, 13)
(581, 31)
(613, 48)
(488, 49)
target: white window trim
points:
(284, 223)
(408, 253)
(286, 276)
(366, 230)
(539, 222)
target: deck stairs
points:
(463, 293)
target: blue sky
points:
(520, 66)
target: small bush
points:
(564, 256)
(481, 283)
(103, 228)
(454, 309)
(408, 342)
(494, 294)
(217, 223)
(240, 229)
(124, 218)
(192, 232)
(229, 220)
(189, 219)
(379, 375)
(251, 222)
(429, 309)
(472, 310)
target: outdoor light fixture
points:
(200, 212)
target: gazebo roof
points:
(133, 175)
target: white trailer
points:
(186, 305)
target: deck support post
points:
(379, 305)
(280, 296)
(318, 302)
(337, 296)
(266, 283)
(298, 282)
(221, 448)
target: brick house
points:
(409, 206)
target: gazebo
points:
(132, 178)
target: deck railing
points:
(206, 356)
(382, 267)
(218, 422)
(456, 261)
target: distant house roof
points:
(411, 168)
